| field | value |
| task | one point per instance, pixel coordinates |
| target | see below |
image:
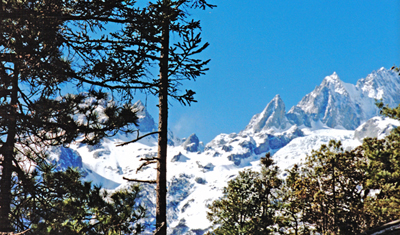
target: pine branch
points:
(145, 85)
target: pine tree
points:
(57, 202)
(145, 41)
(34, 36)
(383, 171)
(346, 192)
(335, 192)
(295, 196)
(249, 202)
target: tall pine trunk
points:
(7, 153)
(161, 189)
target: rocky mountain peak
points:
(192, 143)
(273, 116)
(334, 84)
(146, 121)
(339, 104)
(330, 103)
(334, 78)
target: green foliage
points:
(58, 202)
(332, 193)
(346, 192)
(249, 203)
(384, 173)
(295, 196)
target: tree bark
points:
(7, 153)
(161, 188)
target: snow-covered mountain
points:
(342, 105)
(197, 173)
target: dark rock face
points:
(247, 144)
(179, 188)
(101, 153)
(200, 180)
(91, 147)
(187, 205)
(181, 228)
(199, 231)
(67, 158)
(297, 116)
(262, 147)
(277, 142)
(296, 133)
(208, 167)
(191, 144)
(237, 158)
(227, 148)
(216, 154)
(179, 158)
(146, 121)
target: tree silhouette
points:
(35, 37)
(144, 43)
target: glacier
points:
(197, 172)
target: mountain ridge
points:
(333, 110)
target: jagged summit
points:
(337, 104)
(273, 116)
(334, 78)
(333, 104)
(334, 83)
(330, 103)
(146, 121)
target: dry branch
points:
(138, 138)
(12, 233)
(148, 162)
(139, 181)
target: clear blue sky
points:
(261, 48)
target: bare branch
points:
(140, 181)
(11, 233)
(145, 164)
(149, 159)
(98, 83)
(159, 228)
(138, 138)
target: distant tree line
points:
(333, 192)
